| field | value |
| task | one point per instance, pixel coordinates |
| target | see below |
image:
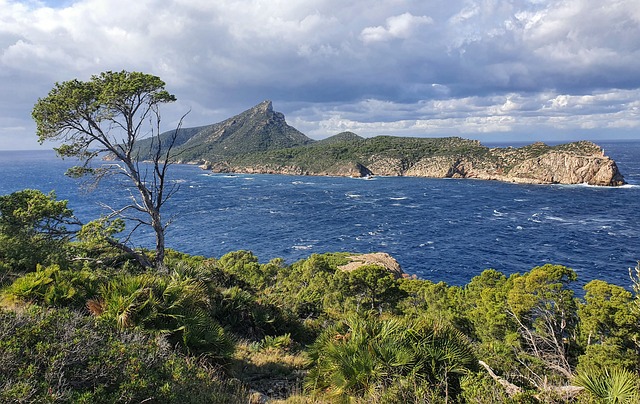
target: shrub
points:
(57, 355)
(54, 286)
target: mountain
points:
(255, 130)
(259, 140)
(341, 137)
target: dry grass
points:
(276, 373)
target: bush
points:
(56, 355)
(54, 286)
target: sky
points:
(492, 70)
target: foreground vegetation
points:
(83, 321)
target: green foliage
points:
(97, 232)
(438, 301)
(61, 356)
(371, 287)
(245, 266)
(34, 229)
(106, 115)
(377, 339)
(479, 388)
(615, 385)
(543, 289)
(487, 294)
(309, 287)
(72, 107)
(176, 305)
(352, 151)
(609, 326)
(283, 342)
(362, 357)
(53, 286)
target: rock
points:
(255, 397)
(382, 259)
(577, 163)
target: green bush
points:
(53, 286)
(57, 355)
(175, 305)
(34, 229)
(367, 358)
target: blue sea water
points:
(439, 229)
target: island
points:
(259, 140)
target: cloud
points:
(399, 26)
(474, 67)
(549, 114)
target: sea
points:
(437, 229)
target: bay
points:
(438, 229)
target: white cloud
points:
(400, 26)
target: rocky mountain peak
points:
(265, 107)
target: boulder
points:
(381, 259)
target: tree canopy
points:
(106, 116)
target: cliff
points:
(573, 163)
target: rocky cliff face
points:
(573, 163)
(579, 163)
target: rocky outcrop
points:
(381, 259)
(341, 170)
(563, 168)
(585, 163)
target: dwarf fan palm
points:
(363, 357)
(175, 305)
(617, 385)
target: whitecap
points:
(519, 227)
(302, 247)
(399, 198)
(558, 219)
